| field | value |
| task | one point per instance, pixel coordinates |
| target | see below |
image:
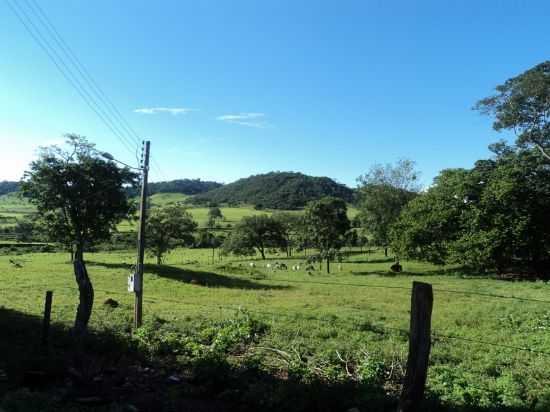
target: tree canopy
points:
(522, 104)
(491, 217)
(382, 193)
(326, 223)
(255, 233)
(80, 197)
(168, 227)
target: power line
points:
(486, 343)
(94, 86)
(491, 295)
(436, 335)
(63, 68)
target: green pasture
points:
(359, 310)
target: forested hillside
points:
(185, 186)
(8, 187)
(277, 190)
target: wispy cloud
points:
(172, 110)
(245, 119)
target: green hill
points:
(276, 190)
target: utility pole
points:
(138, 279)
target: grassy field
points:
(13, 208)
(345, 325)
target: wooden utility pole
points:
(138, 278)
(419, 348)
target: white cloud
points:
(245, 119)
(172, 110)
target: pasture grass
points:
(346, 325)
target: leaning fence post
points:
(47, 317)
(412, 393)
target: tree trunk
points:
(386, 251)
(159, 259)
(328, 264)
(86, 297)
(262, 253)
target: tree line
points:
(492, 217)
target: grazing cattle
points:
(252, 264)
(296, 268)
(283, 266)
(268, 265)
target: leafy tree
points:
(208, 239)
(327, 224)
(383, 192)
(493, 216)
(291, 224)
(522, 104)
(167, 228)
(214, 213)
(433, 220)
(255, 233)
(81, 197)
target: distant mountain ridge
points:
(8, 187)
(185, 186)
(276, 190)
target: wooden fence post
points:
(47, 318)
(412, 393)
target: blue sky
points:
(322, 87)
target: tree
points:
(491, 217)
(81, 198)
(383, 192)
(290, 223)
(208, 239)
(327, 224)
(522, 104)
(167, 228)
(255, 233)
(214, 213)
(430, 222)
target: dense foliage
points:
(255, 233)
(80, 197)
(326, 225)
(168, 227)
(491, 217)
(8, 187)
(277, 190)
(382, 193)
(522, 104)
